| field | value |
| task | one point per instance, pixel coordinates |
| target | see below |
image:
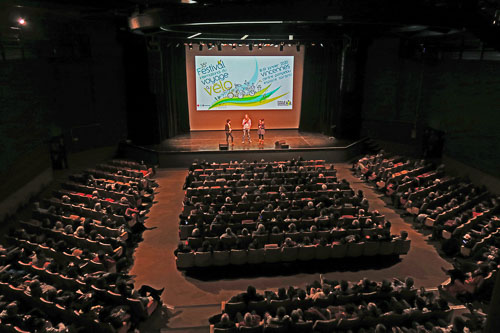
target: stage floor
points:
(210, 140)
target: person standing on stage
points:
(247, 124)
(229, 132)
(261, 131)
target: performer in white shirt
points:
(247, 124)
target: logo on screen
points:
(285, 103)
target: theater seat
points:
(260, 307)
(276, 238)
(371, 248)
(322, 252)
(338, 251)
(355, 249)
(203, 259)
(273, 254)
(185, 260)
(386, 248)
(306, 252)
(325, 326)
(302, 327)
(221, 258)
(257, 329)
(256, 256)
(238, 257)
(402, 246)
(232, 308)
(289, 254)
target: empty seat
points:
(402, 246)
(238, 257)
(355, 249)
(256, 256)
(203, 259)
(289, 254)
(185, 260)
(338, 250)
(260, 307)
(371, 248)
(273, 254)
(233, 308)
(221, 258)
(322, 252)
(307, 252)
(386, 248)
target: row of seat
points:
(275, 254)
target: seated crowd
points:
(340, 306)
(65, 269)
(268, 205)
(463, 217)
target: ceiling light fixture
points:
(244, 37)
(195, 35)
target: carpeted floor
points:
(197, 296)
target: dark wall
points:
(75, 91)
(458, 97)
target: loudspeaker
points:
(223, 146)
(279, 143)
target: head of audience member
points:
(409, 282)
(195, 232)
(344, 285)
(280, 312)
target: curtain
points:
(172, 100)
(321, 88)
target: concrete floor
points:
(195, 298)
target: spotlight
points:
(321, 44)
(260, 46)
(234, 46)
(190, 46)
(21, 21)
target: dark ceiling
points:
(274, 21)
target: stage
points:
(181, 150)
(210, 140)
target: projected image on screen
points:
(244, 82)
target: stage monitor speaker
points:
(285, 146)
(223, 146)
(278, 144)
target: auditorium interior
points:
(249, 166)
